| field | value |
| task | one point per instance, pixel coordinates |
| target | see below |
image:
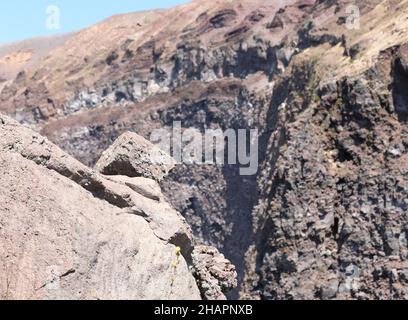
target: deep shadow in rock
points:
(400, 88)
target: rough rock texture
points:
(325, 216)
(59, 241)
(133, 156)
(215, 274)
(146, 187)
(332, 222)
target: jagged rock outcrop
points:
(215, 274)
(67, 232)
(60, 241)
(331, 221)
(133, 156)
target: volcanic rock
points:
(133, 156)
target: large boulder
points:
(133, 156)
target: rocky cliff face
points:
(322, 81)
(331, 222)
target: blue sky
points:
(23, 19)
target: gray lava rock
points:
(215, 274)
(133, 156)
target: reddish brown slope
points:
(131, 43)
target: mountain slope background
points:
(325, 216)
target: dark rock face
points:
(400, 72)
(239, 60)
(332, 220)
